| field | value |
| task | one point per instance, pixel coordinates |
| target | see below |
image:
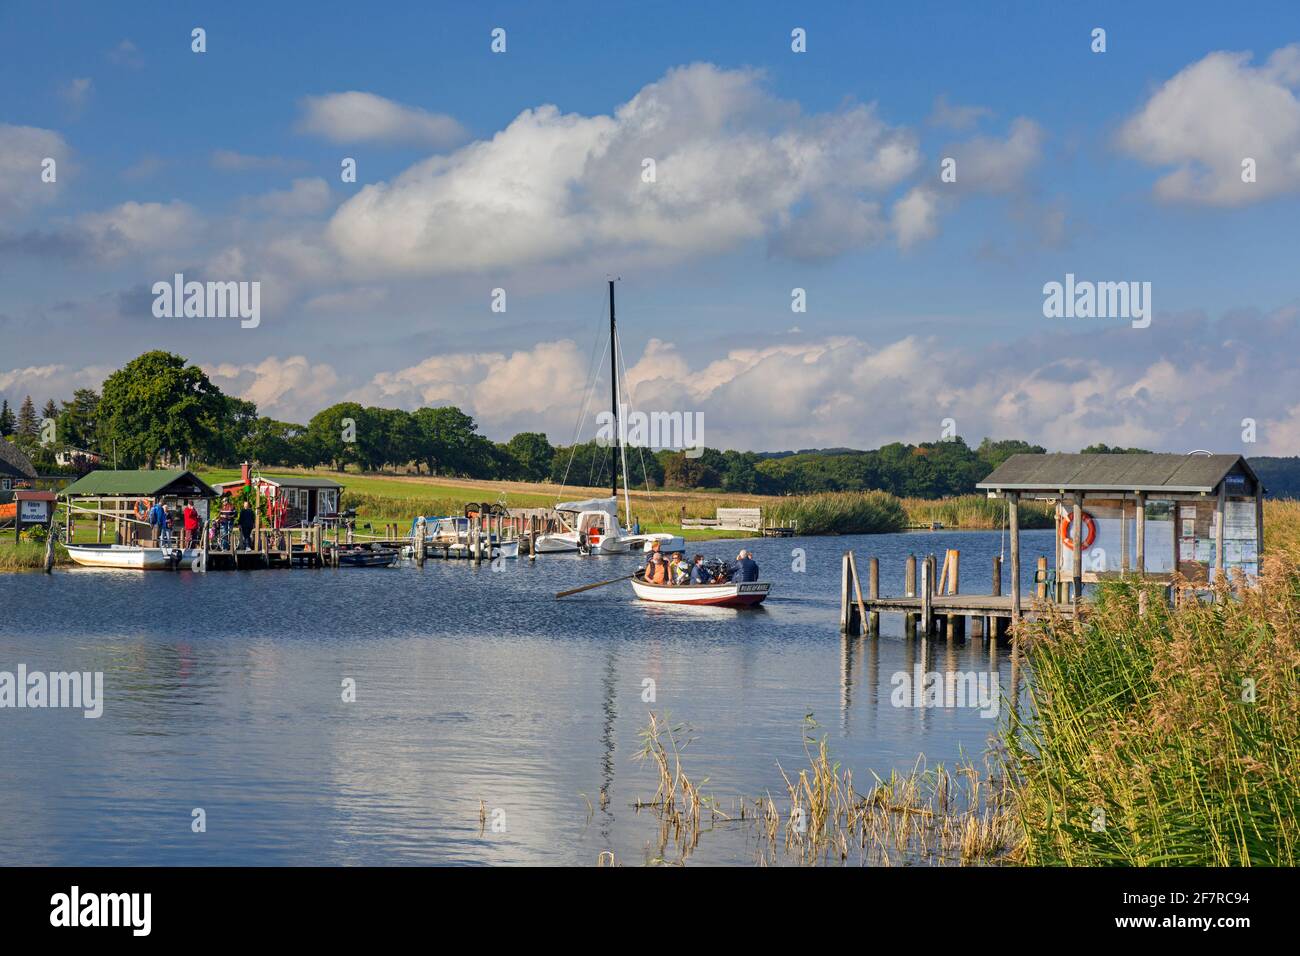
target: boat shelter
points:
(113, 496)
(1145, 515)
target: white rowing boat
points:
(131, 557)
(729, 594)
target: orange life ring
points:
(1067, 535)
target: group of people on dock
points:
(190, 525)
(676, 570)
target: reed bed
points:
(974, 512)
(927, 816)
(840, 512)
(1167, 737)
(29, 556)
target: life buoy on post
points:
(1066, 530)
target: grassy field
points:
(383, 499)
(1170, 737)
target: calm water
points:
(223, 691)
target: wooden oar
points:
(598, 584)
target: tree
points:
(274, 443)
(158, 407)
(446, 440)
(79, 420)
(703, 472)
(7, 421)
(532, 454)
(237, 425)
(28, 424)
(333, 434)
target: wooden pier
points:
(932, 602)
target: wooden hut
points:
(303, 497)
(112, 496)
(1199, 515)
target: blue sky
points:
(814, 170)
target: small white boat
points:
(594, 529)
(728, 594)
(132, 557)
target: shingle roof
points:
(14, 461)
(1155, 472)
(144, 482)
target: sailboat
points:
(592, 526)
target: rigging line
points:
(645, 475)
(590, 386)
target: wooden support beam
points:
(1140, 559)
(1220, 566)
(1076, 539)
(1013, 514)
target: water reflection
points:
(223, 691)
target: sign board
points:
(34, 512)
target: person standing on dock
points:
(190, 521)
(246, 522)
(158, 522)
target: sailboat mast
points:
(613, 387)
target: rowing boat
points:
(726, 594)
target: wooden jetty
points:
(1181, 522)
(751, 520)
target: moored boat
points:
(132, 557)
(363, 557)
(724, 594)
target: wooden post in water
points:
(532, 537)
(873, 591)
(420, 543)
(1013, 515)
(927, 589)
(909, 589)
(991, 623)
(1040, 578)
(845, 591)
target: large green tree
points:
(157, 405)
(79, 420)
(333, 435)
(532, 455)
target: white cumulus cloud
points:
(356, 117)
(730, 164)
(1214, 114)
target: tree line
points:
(159, 411)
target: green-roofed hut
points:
(119, 497)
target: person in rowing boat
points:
(744, 568)
(700, 572)
(651, 567)
(679, 572)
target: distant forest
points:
(159, 411)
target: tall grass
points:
(1165, 738)
(975, 512)
(29, 556)
(841, 512)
